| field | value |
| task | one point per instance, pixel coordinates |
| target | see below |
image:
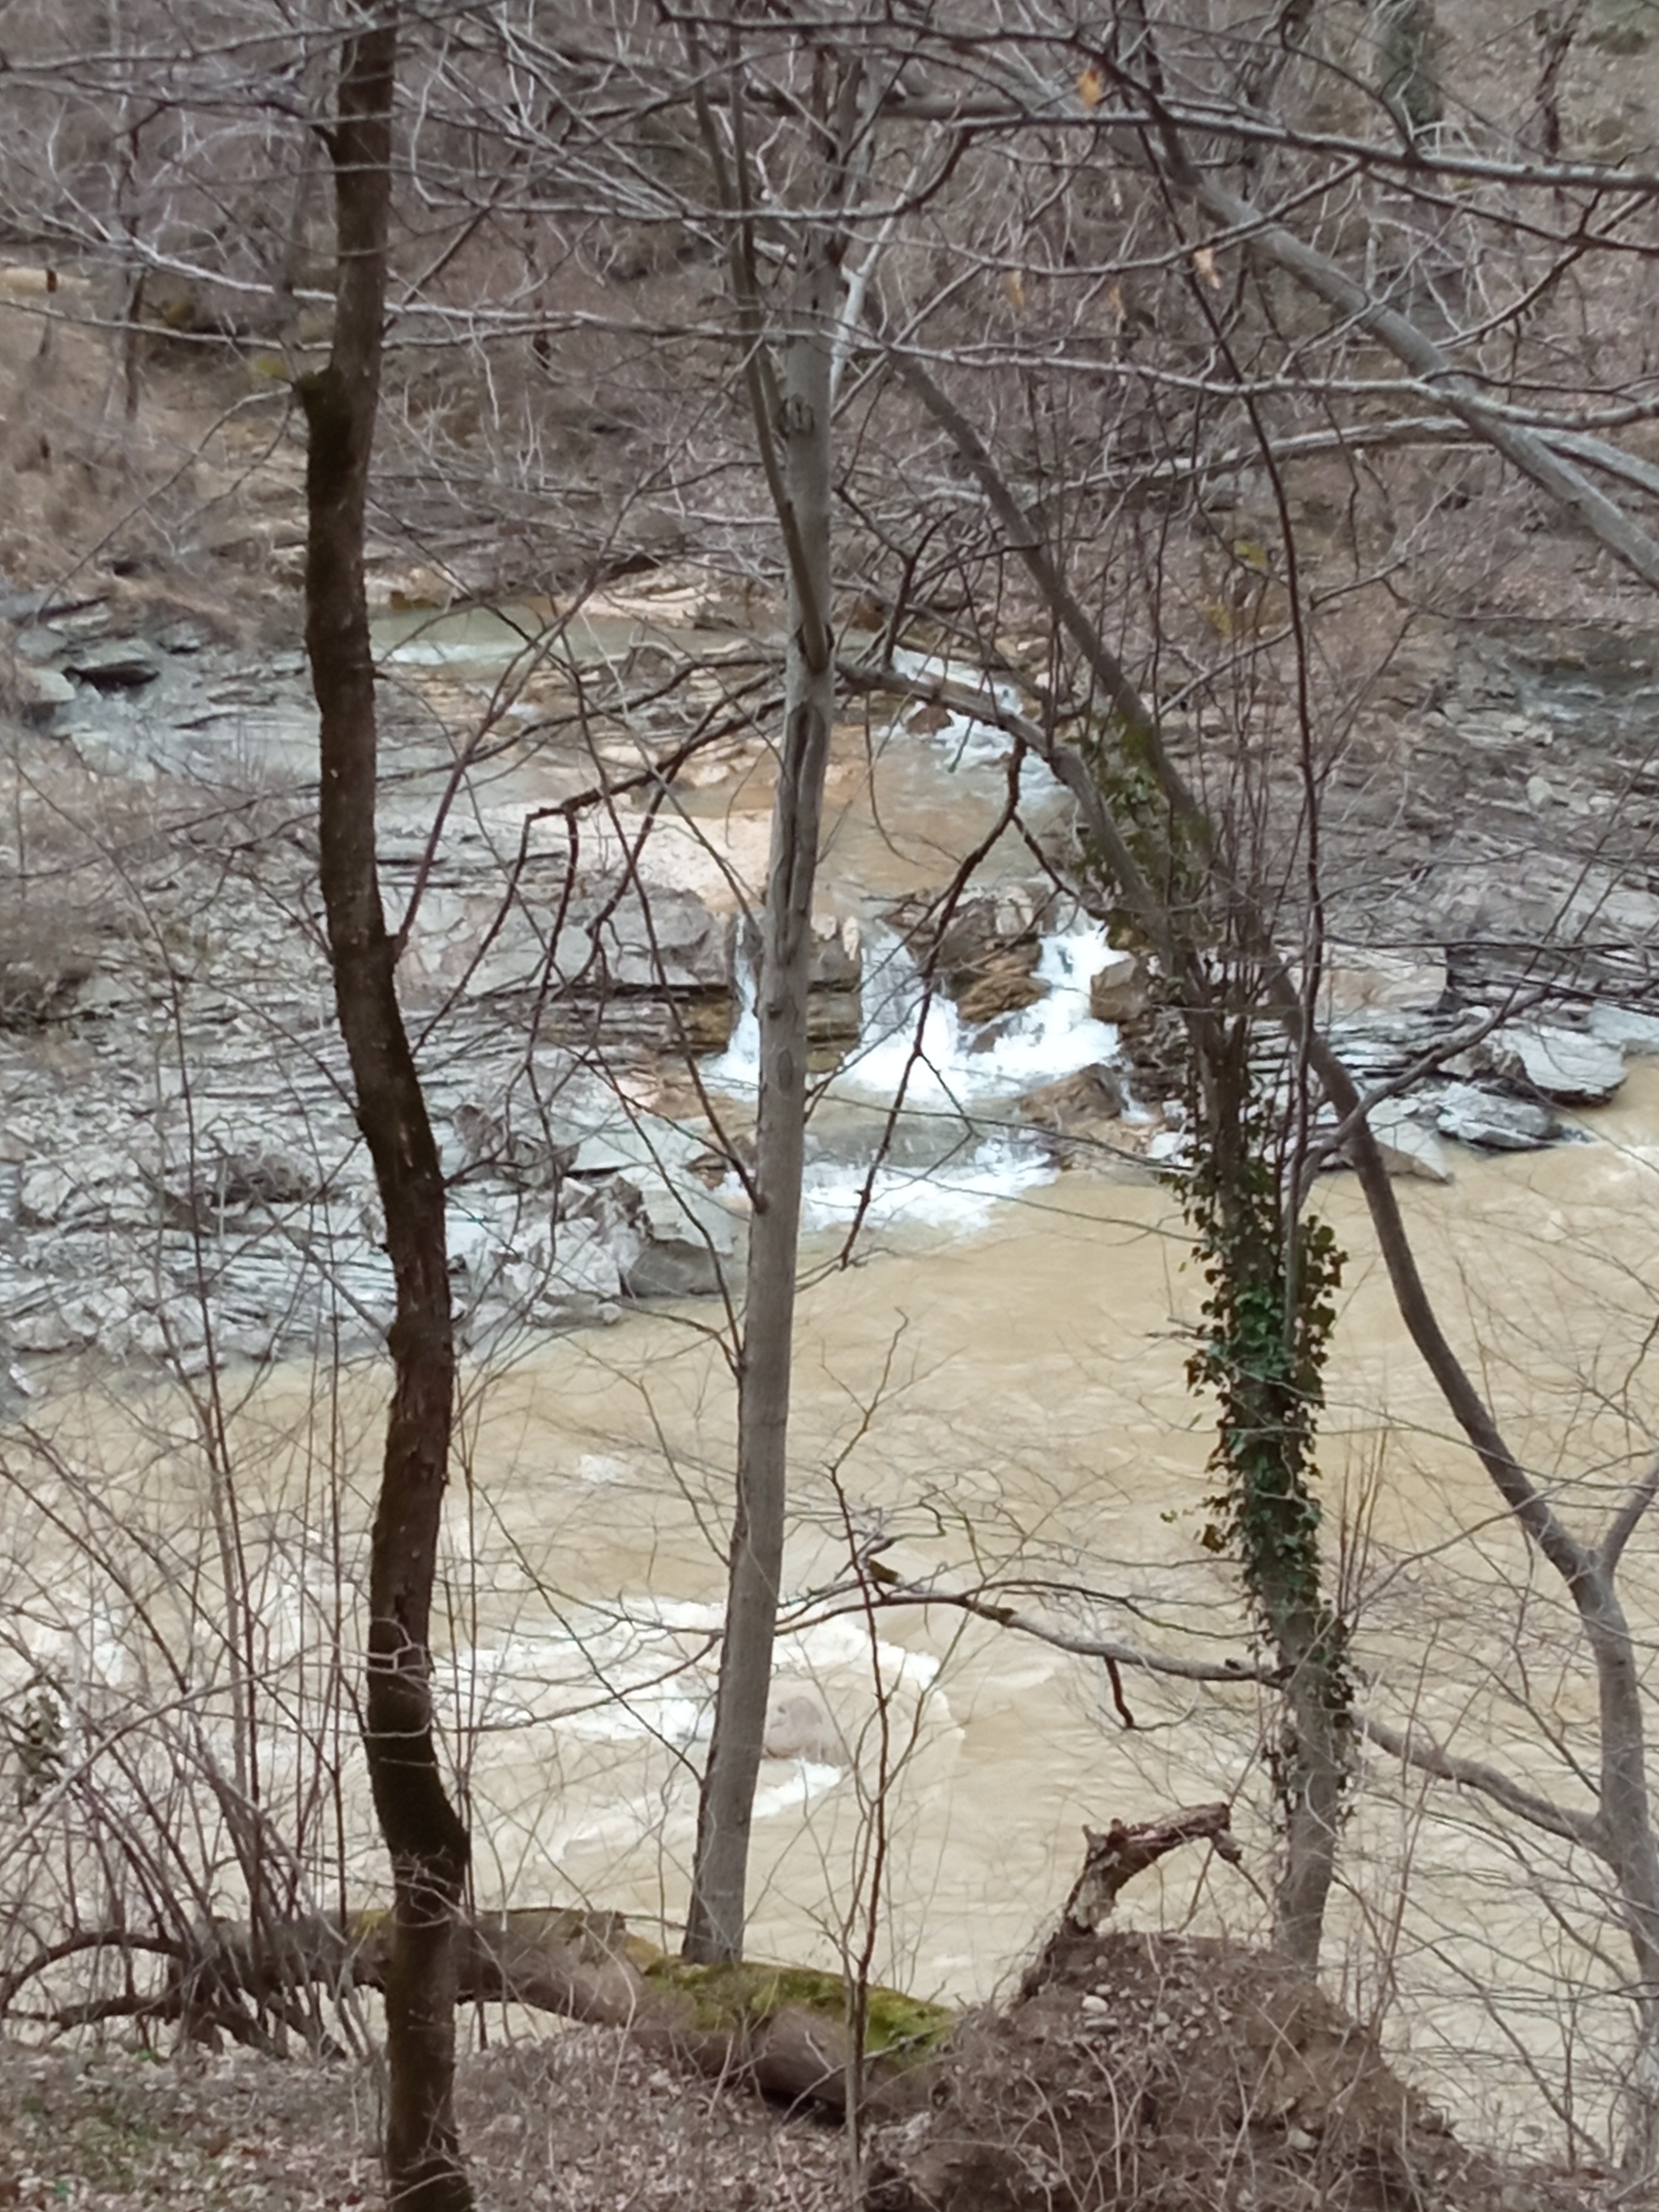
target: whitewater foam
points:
(949, 1169)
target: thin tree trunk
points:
(1623, 1832)
(1319, 1767)
(1314, 1764)
(714, 1924)
(424, 1835)
(1263, 1342)
(1625, 1821)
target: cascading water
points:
(955, 1147)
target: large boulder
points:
(36, 694)
(490, 929)
(668, 943)
(1567, 1066)
(1408, 1146)
(1629, 1028)
(522, 1150)
(1493, 1122)
(113, 663)
(1077, 1105)
(667, 1241)
(1120, 993)
(1361, 979)
(1005, 983)
(984, 953)
(835, 991)
(235, 1175)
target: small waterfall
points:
(965, 741)
(736, 1070)
(954, 1149)
(951, 1067)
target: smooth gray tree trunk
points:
(714, 1924)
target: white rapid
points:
(957, 1144)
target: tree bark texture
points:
(1263, 1359)
(423, 1834)
(715, 1919)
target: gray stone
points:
(1498, 1124)
(673, 1267)
(988, 1038)
(684, 1209)
(582, 1286)
(992, 933)
(674, 943)
(1093, 1094)
(114, 664)
(618, 1140)
(1565, 1065)
(40, 693)
(1407, 1147)
(46, 1193)
(46, 1331)
(1004, 985)
(1358, 979)
(236, 1179)
(103, 994)
(837, 954)
(607, 1207)
(667, 1238)
(1556, 905)
(526, 1157)
(1626, 1027)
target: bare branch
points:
(1420, 1751)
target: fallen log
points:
(787, 2031)
(792, 2033)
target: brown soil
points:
(1177, 2074)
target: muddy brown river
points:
(1004, 1404)
(996, 1393)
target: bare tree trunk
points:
(1174, 882)
(1319, 1769)
(714, 1922)
(1622, 1830)
(1405, 74)
(424, 1833)
(1624, 1817)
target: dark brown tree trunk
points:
(424, 1833)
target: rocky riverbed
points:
(182, 1177)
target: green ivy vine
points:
(1271, 1277)
(1265, 1330)
(1167, 845)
